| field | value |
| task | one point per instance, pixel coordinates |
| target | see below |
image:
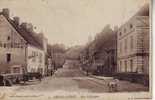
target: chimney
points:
(23, 25)
(6, 12)
(30, 27)
(16, 20)
(27, 26)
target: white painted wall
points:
(35, 59)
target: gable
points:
(27, 36)
(7, 31)
(142, 21)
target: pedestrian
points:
(113, 85)
(39, 76)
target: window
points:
(18, 45)
(1, 44)
(8, 71)
(16, 70)
(4, 45)
(120, 47)
(120, 33)
(8, 57)
(40, 58)
(21, 46)
(131, 65)
(131, 26)
(33, 56)
(8, 38)
(120, 65)
(124, 30)
(125, 62)
(8, 45)
(125, 45)
(131, 42)
(11, 45)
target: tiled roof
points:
(28, 36)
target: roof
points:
(144, 11)
(27, 35)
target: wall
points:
(35, 59)
(10, 42)
(135, 32)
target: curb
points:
(100, 78)
(96, 77)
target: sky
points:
(71, 22)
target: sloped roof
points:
(28, 36)
(143, 11)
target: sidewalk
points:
(123, 86)
(101, 77)
(98, 77)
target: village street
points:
(72, 79)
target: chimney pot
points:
(6, 12)
(27, 26)
(16, 20)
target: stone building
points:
(133, 43)
(20, 50)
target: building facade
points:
(133, 43)
(20, 50)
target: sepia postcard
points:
(75, 50)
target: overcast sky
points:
(71, 22)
